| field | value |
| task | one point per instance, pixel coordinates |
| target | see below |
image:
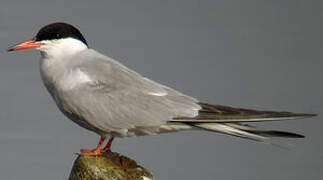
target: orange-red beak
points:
(30, 44)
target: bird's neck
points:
(57, 56)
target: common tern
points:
(102, 95)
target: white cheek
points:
(61, 47)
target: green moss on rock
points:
(108, 166)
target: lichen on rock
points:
(108, 166)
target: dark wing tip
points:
(298, 115)
(309, 115)
(284, 134)
(220, 113)
(209, 110)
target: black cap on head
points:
(59, 30)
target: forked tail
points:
(230, 120)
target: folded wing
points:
(115, 98)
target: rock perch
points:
(108, 166)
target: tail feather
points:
(246, 131)
(226, 129)
(265, 132)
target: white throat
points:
(61, 47)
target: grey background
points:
(263, 54)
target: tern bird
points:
(102, 95)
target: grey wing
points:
(113, 97)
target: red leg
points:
(96, 151)
(108, 146)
